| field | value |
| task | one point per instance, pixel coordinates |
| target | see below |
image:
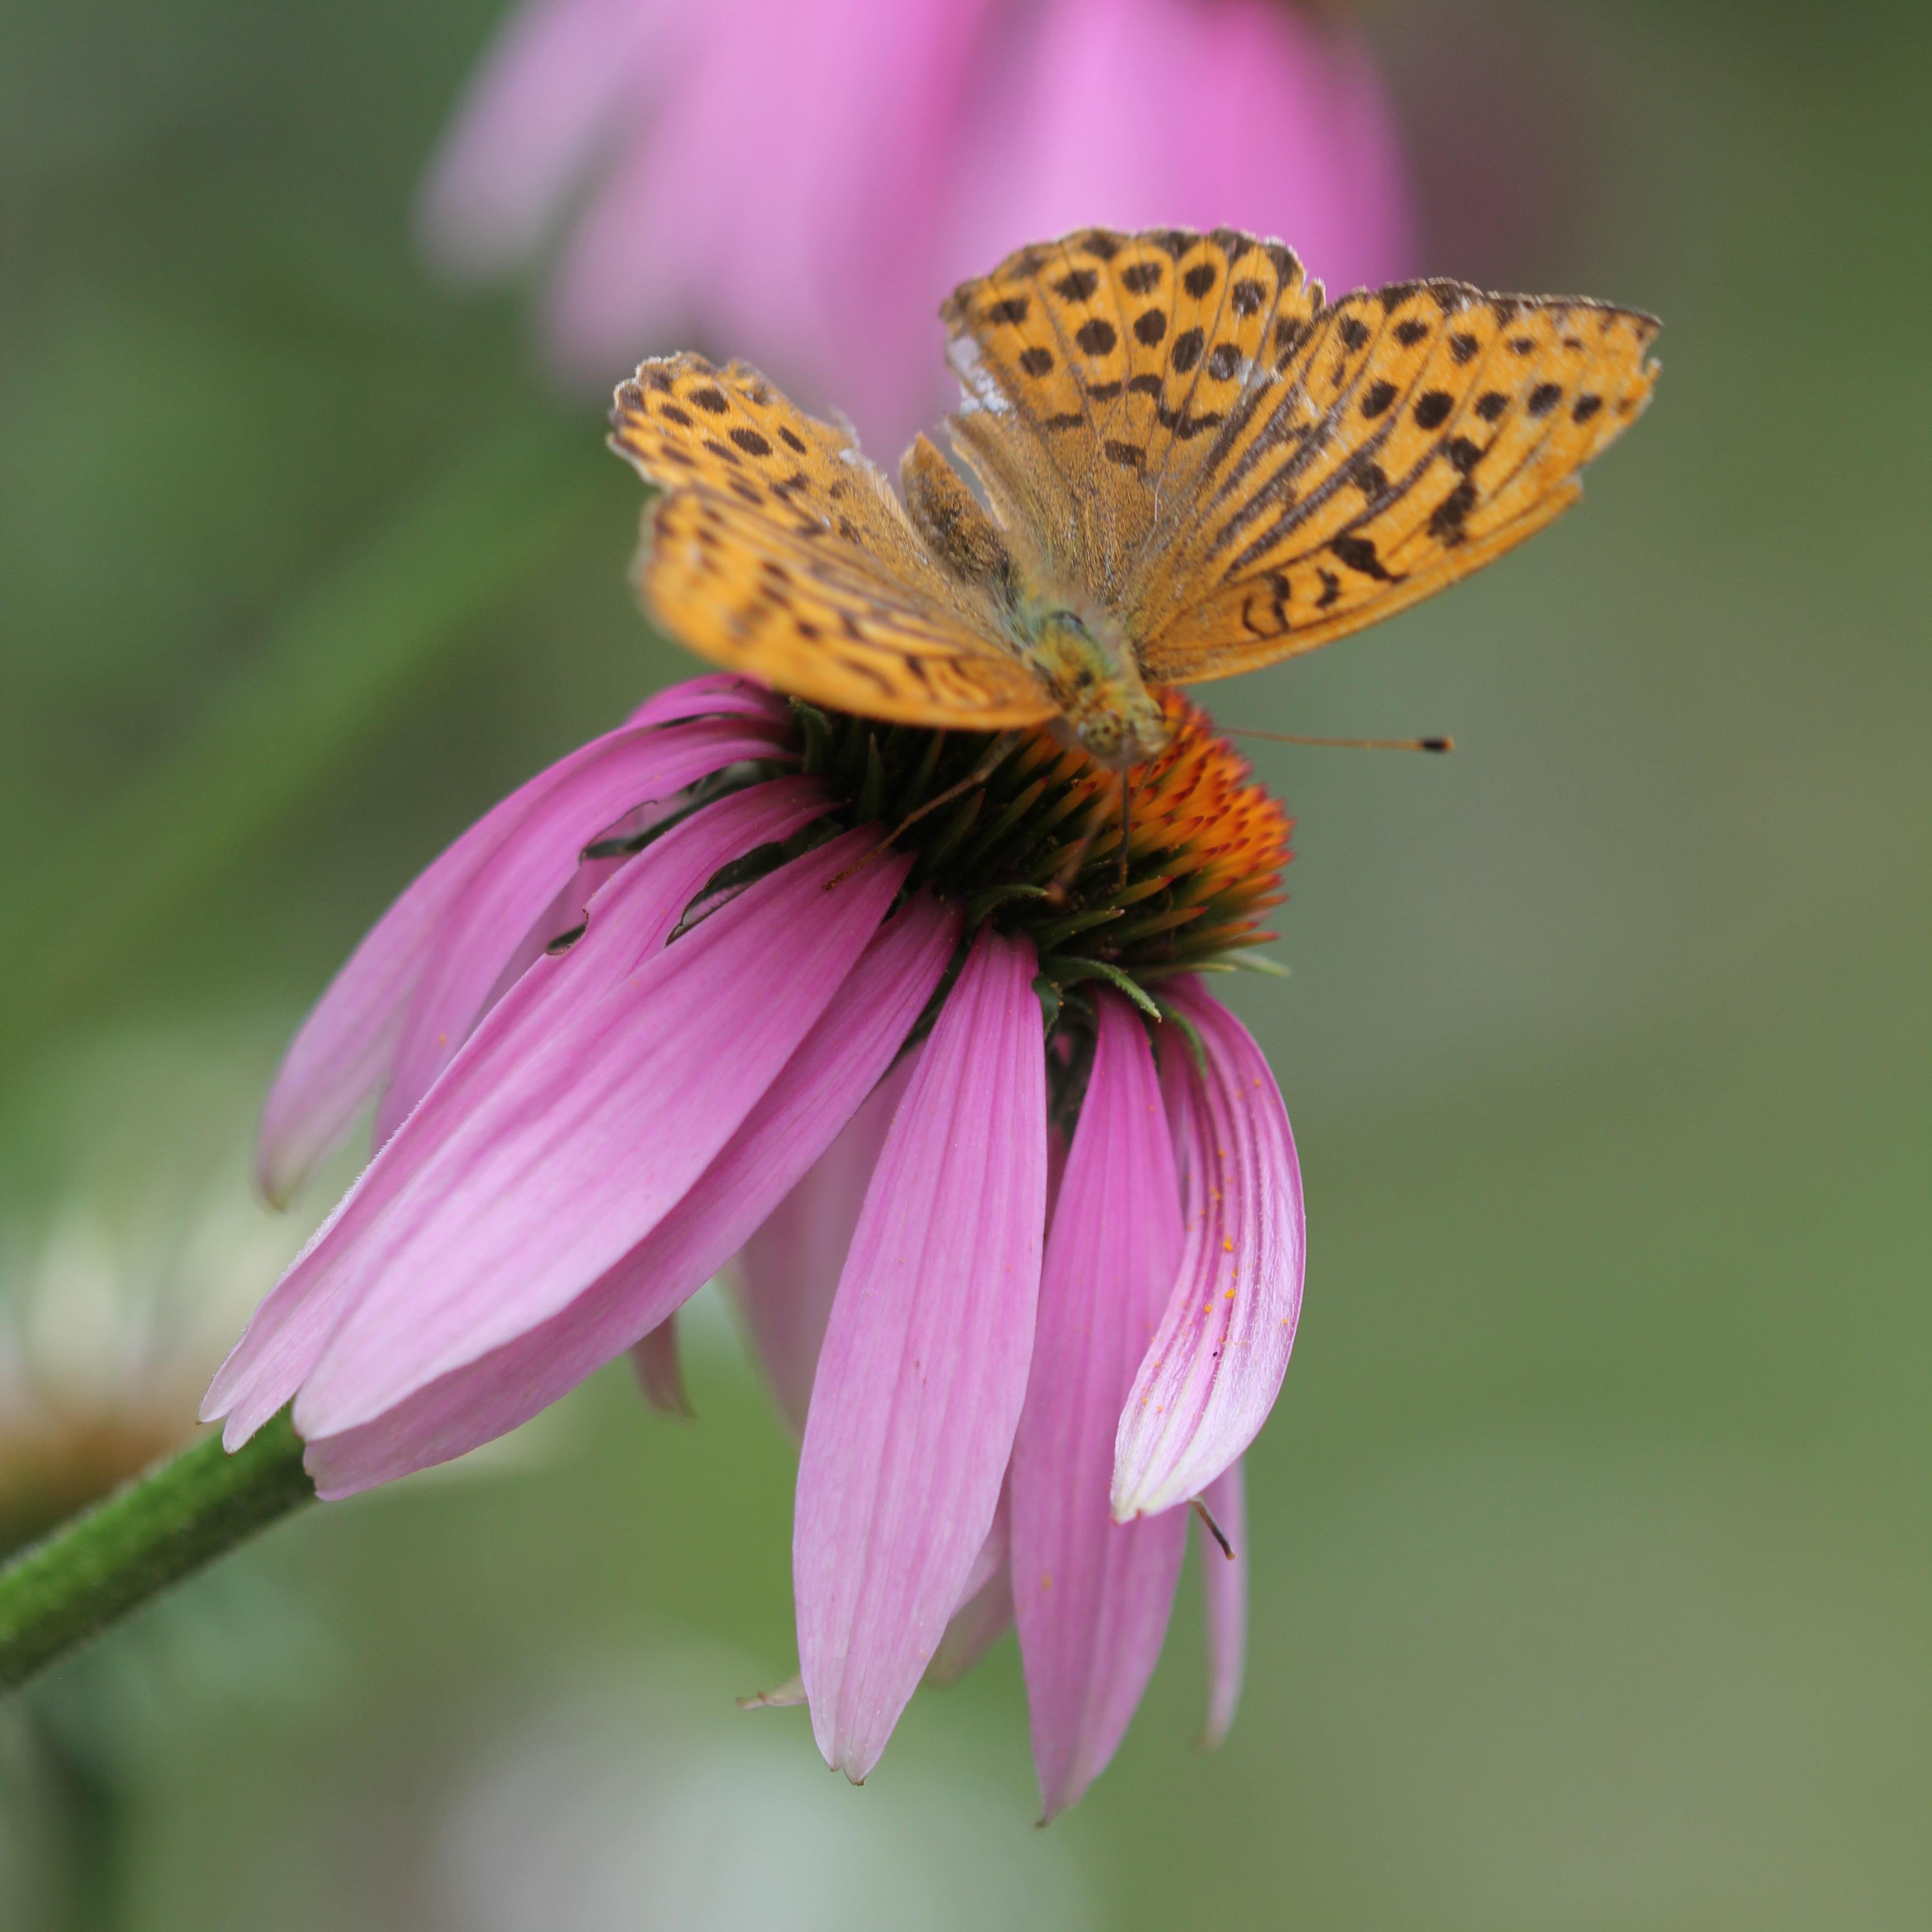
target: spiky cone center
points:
(1024, 832)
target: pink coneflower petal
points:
(1214, 1368)
(788, 1270)
(718, 694)
(1092, 1597)
(635, 913)
(520, 878)
(924, 1367)
(401, 986)
(600, 1116)
(840, 1060)
(1288, 133)
(563, 78)
(1225, 1579)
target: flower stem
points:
(112, 1557)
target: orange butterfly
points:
(1195, 464)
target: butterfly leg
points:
(1063, 881)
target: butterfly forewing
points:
(778, 550)
(1409, 436)
(1097, 371)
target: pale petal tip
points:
(785, 1696)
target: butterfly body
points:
(1192, 465)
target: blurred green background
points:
(1593, 1535)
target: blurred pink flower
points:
(801, 182)
(674, 1001)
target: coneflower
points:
(915, 1020)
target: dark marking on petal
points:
(1371, 480)
(790, 441)
(1409, 333)
(1462, 346)
(1078, 286)
(1104, 392)
(1246, 296)
(1586, 407)
(1186, 350)
(1544, 397)
(1128, 455)
(1432, 411)
(1331, 588)
(1095, 336)
(1066, 419)
(1378, 397)
(1522, 345)
(1150, 327)
(1463, 454)
(1223, 360)
(1199, 279)
(751, 443)
(672, 413)
(1145, 385)
(718, 450)
(1036, 361)
(1140, 276)
(1353, 330)
(1013, 309)
(1103, 242)
(711, 400)
(1491, 404)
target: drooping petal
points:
(788, 1271)
(924, 1366)
(1224, 1581)
(1092, 1597)
(660, 1369)
(717, 694)
(602, 1112)
(790, 1127)
(638, 910)
(829, 134)
(563, 77)
(523, 849)
(1214, 1367)
(522, 874)
(985, 1607)
(1288, 132)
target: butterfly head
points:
(1106, 709)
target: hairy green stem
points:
(112, 1558)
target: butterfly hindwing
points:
(778, 550)
(1408, 436)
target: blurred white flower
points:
(651, 1802)
(130, 1246)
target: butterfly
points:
(1189, 463)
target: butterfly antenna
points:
(1349, 744)
(1126, 821)
(997, 753)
